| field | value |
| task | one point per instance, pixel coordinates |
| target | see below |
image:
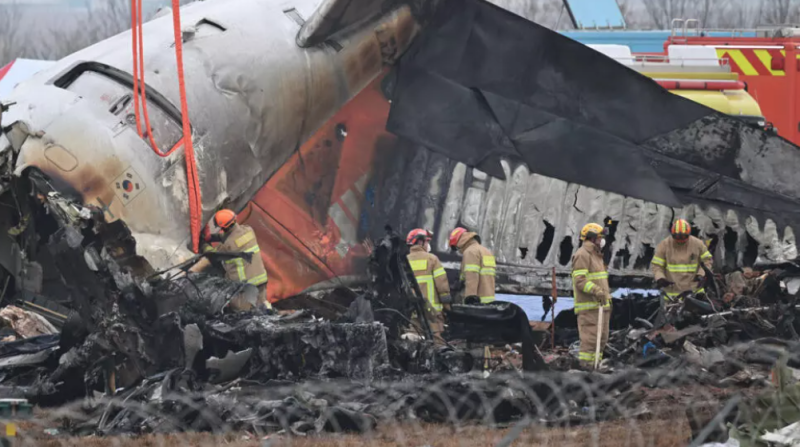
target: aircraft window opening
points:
(565, 251)
(730, 241)
(750, 252)
(547, 241)
(643, 261)
(114, 88)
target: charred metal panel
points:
(553, 211)
(732, 148)
(640, 226)
(312, 216)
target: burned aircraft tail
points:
(565, 134)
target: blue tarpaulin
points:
(532, 304)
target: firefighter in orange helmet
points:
(676, 262)
(237, 238)
(477, 266)
(592, 294)
(430, 276)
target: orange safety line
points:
(139, 77)
(195, 201)
(193, 181)
(134, 42)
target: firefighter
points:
(236, 238)
(591, 291)
(676, 263)
(477, 266)
(431, 277)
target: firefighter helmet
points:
(681, 230)
(225, 218)
(592, 230)
(415, 235)
(455, 235)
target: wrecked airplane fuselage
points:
(290, 109)
(255, 97)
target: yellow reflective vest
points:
(242, 238)
(430, 275)
(680, 263)
(590, 279)
(478, 268)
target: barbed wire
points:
(662, 406)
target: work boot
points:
(604, 367)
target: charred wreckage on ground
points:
(157, 351)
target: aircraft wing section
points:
(478, 128)
(482, 84)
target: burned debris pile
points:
(139, 351)
(734, 333)
(143, 352)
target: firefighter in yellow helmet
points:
(676, 262)
(430, 276)
(236, 238)
(477, 266)
(590, 287)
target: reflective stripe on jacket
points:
(430, 275)
(478, 268)
(241, 238)
(590, 278)
(680, 264)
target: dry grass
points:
(667, 425)
(654, 432)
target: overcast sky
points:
(52, 32)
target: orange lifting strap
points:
(193, 181)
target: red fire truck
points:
(766, 59)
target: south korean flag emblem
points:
(128, 185)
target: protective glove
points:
(699, 278)
(472, 299)
(457, 286)
(264, 310)
(663, 283)
(446, 299)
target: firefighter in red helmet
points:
(477, 266)
(431, 277)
